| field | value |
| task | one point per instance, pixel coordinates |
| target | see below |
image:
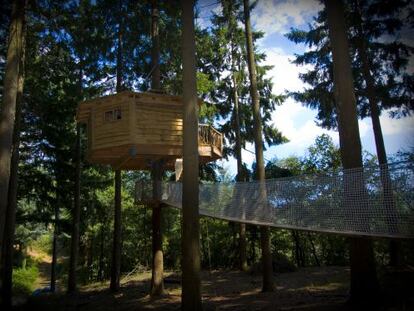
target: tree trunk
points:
(315, 256)
(191, 291)
(101, 255)
(119, 51)
(74, 247)
(157, 281)
(89, 257)
(116, 250)
(155, 51)
(299, 260)
(243, 248)
(240, 171)
(268, 285)
(253, 239)
(8, 109)
(388, 198)
(364, 283)
(7, 260)
(208, 245)
(54, 244)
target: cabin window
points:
(113, 115)
(117, 114)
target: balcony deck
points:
(140, 156)
(210, 142)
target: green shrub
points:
(24, 280)
(43, 243)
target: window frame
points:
(112, 115)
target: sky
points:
(296, 122)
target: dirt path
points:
(44, 264)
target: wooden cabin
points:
(131, 130)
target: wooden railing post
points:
(208, 135)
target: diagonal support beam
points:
(122, 161)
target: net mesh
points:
(372, 201)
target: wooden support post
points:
(157, 280)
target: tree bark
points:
(8, 109)
(157, 281)
(101, 273)
(119, 51)
(364, 283)
(243, 248)
(116, 248)
(253, 239)
(315, 256)
(240, 171)
(54, 243)
(89, 256)
(191, 291)
(298, 252)
(268, 285)
(388, 198)
(74, 248)
(7, 260)
(155, 51)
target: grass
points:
(43, 244)
(24, 280)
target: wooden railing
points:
(208, 135)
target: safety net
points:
(369, 201)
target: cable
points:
(255, 154)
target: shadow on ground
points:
(309, 289)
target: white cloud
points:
(299, 134)
(395, 126)
(248, 154)
(275, 16)
(285, 75)
(364, 128)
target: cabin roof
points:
(85, 107)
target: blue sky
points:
(296, 122)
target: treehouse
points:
(131, 130)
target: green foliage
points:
(230, 74)
(388, 59)
(24, 280)
(322, 156)
(43, 243)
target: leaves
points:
(382, 25)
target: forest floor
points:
(309, 289)
(44, 263)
